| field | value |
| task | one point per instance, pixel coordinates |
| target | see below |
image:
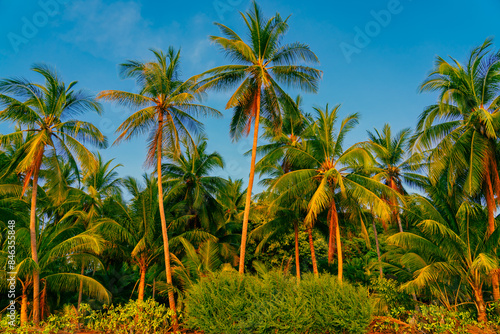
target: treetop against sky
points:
(373, 54)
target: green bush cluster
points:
(134, 317)
(226, 303)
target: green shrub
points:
(228, 304)
(133, 317)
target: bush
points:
(229, 304)
(133, 317)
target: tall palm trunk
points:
(24, 304)
(246, 214)
(142, 281)
(168, 269)
(313, 254)
(333, 221)
(339, 249)
(490, 203)
(33, 237)
(378, 248)
(297, 263)
(80, 290)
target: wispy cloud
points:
(118, 30)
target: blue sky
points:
(374, 54)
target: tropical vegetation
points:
(396, 233)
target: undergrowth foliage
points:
(275, 303)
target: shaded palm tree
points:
(448, 251)
(330, 173)
(188, 177)
(60, 245)
(462, 128)
(262, 65)
(392, 164)
(167, 109)
(45, 113)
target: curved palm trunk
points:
(142, 281)
(168, 269)
(378, 248)
(297, 263)
(24, 305)
(490, 203)
(246, 214)
(313, 254)
(333, 221)
(80, 290)
(33, 237)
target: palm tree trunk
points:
(142, 282)
(248, 200)
(333, 221)
(313, 254)
(480, 305)
(339, 249)
(24, 305)
(378, 248)
(80, 290)
(399, 222)
(168, 269)
(297, 263)
(490, 203)
(43, 302)
(33, 237)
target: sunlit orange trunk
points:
(490, 203)
(248, 200)
(339, 250)
(332, 222)
(33, 239)
(480, 305)
(168, 269)
(313, 254)
(142, 281)
(297, 264)
(24, 305)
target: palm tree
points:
(59, 245)
(44, 112)
(331, 172)
(262, 65)
(188, 178)
(166, 110)
(391, 164)
(100, 185)
(448, 251)
(462, 127)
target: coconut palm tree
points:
(59, 244)
(262, 65)
(331, 172)
(392, 165)
(45, 112)
(446, 252)
(188, 177)
(167, 109)
(462, 128)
